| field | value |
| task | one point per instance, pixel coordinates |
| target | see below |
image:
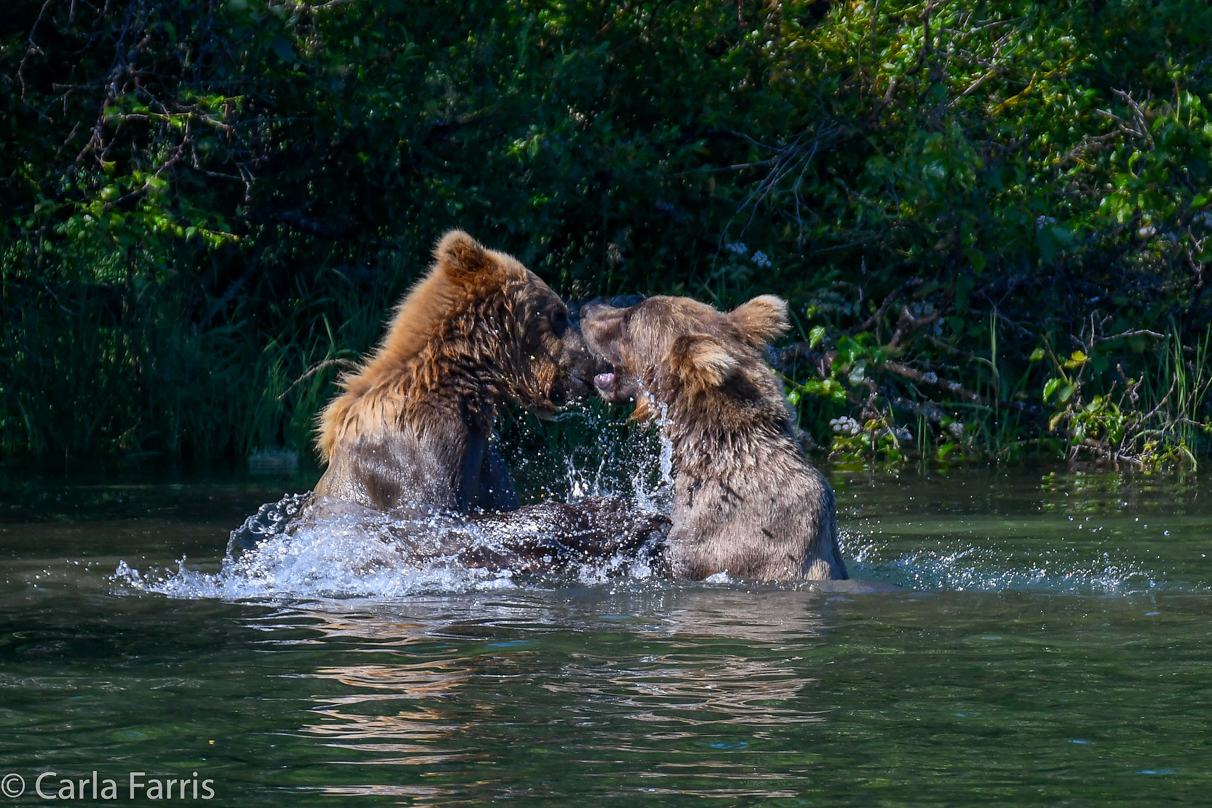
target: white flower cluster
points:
(845, 426)
(761, 259)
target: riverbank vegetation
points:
(991, 220)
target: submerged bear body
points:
(769, 519)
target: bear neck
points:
(444, 382)
(708, 431)
(461, 378)
(457, 356)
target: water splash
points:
(364, 555)
(619, 460)
(349, 556)
(306, 546)
(357, 553)
(963, 566)
(654, 491)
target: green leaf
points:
(1050, 387)
(816, 335)
(979, 262)
(1037, 354)
(1118, 206)
(1076, 360)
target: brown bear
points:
(415, 423)
(746, 500)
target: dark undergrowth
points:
(991, 219)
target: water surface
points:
(1048, 644)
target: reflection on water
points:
(462, 670)
(391, 711)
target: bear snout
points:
(602, 326)
(579, 364)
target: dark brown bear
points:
(414, 425)
(746, 500)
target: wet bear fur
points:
(746, 500)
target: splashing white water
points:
(636, 467)
(351, 555)
(656, 495)
(965, 567)
(372, 555)
(359, 553)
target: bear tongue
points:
(604, 381)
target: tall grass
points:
(126, 370)
(1176, 399)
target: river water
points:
(1044, 640)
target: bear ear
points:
(702, 360)
(761, 320)
(461, 256)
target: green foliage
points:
(199, 202)
(1133, 421)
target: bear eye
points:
(559, 322)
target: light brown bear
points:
(415, 422)
(746, 500)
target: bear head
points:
(674, 348)
(502, 319)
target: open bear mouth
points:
(604, 382)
